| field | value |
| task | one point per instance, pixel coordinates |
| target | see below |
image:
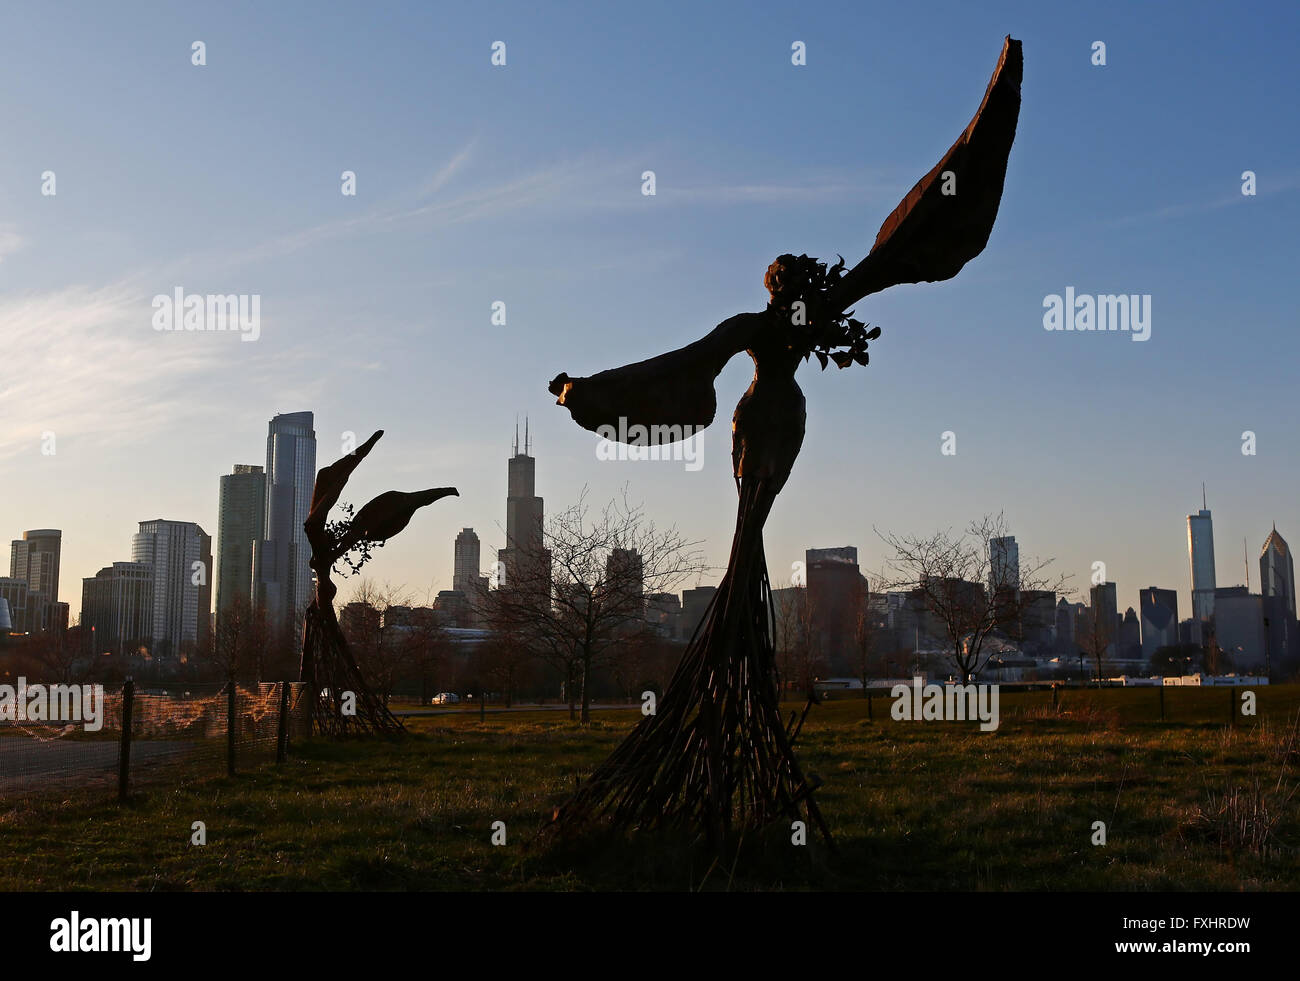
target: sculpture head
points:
(798, 285)
(793, 277)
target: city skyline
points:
(522, 479)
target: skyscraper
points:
(837, 596)
(625, 581)
(524, 515)
(1004, 564)
(1129, 642)
(1277, 571)
(1239, 630)
(1277, 584)
(1200, 553)
(35, 559)
(1159, 619)
(282, 564)
(178, 554)
(695, 604)
(241, 512)
(117, 608)
(1065, 618)
(1105, 621)
(14, 591)
(1035, 627)
(465, 572)
(205, 587)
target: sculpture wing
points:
(931, 235)
(332, 479)
(673, 389)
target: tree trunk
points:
(586, 695)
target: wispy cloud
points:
(572, 186)
(122, 382)
(82, 370)
(828, 188)
(1280, 185)
(94, 368)
(10, 241)
(449, 170)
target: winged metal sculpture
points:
(717, 755)
(328, 667)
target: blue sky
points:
(522, 184)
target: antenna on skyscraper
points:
(1245, 560)
(516, 448)
(525, 436)
(1204, 506)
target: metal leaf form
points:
(332, 479)
(386, 515)
(931, 235)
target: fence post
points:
(1162, 700)
(1055, 694)
(124, 753)
(870, 698)
(230, 727)
(282, 732)
(1232, 705)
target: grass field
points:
(1192, 803)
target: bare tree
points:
(576, 600)
(948, 576)
(799, 653)
(426, 650)
(56, 653)
(504, 661)
(383, 650)
(1095, 638)
(636, 664)
(242, 641)
(867, 643)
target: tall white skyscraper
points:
(1200, 553)
(283, 561)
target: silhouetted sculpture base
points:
(717, 755)
(344, 704)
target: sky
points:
(522, 184)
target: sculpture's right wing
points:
(933, 233)
(673, 389)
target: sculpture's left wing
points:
(628, 404)
(946, 219)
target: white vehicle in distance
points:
(446, 698)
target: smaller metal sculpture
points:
(328, 666)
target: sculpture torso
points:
(768, 426)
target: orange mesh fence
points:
(173, 737)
